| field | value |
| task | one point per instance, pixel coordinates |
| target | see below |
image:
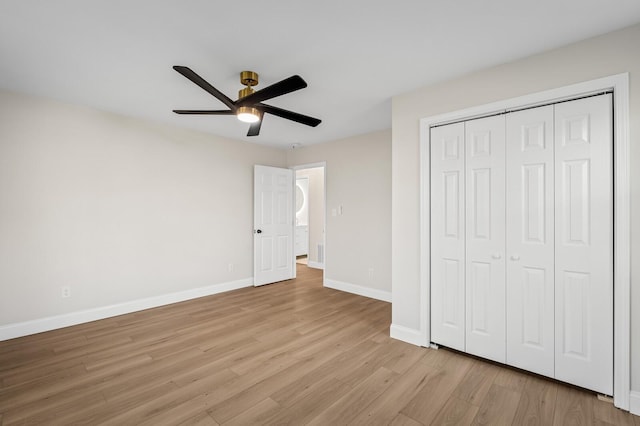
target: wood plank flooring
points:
(288, 353)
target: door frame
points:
(619, 84)
(318, 164)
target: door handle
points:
(496, 256)
(258, 231)
(515, 257)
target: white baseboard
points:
(406, 334)
(26, 328)
(634, 402)
(372, 293)
(315, 265)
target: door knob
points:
(258, 231)
(515, 257)
(496, 256)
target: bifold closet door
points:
(530, 240)
(584, 243)
(448, 236)
(485, 237)
(522, 239)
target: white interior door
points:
(273, 228)
(584, 243)
(448, 236)
(485, 237)
(530, 240)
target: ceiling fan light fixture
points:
(248, 114)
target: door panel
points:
(533, 316)
(576, 314)
(273, 216)
(485, 237)
(584, 243)
(452, 208)
(530, 240)
(575, 210)
(448, 236)
(480, 287)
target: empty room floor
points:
(288, 353)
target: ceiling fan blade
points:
(283, 87)
(290, 115)
(188, 72)
(254, 129)
(205, 112)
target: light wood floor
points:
(287, 353)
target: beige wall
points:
(316, 209)
(116, 208)
(122, 210)
(358, 178)
(602, 56)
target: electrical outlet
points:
(66, 291)
(231, 267)
(370, 273)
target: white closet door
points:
(530, 240)
(584, 243)
(447, 236)
(485, 218)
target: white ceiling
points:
(116, 55)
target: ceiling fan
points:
(249, 107)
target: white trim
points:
(425, 236)
(26, 328)
(622, 287)
(622, 246)
(406, 334)
(634, 403)
(309, 165)
(315, 265)
(372, 293)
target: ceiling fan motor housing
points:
(243, 93)
(249, 78)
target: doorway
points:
(309, 209)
